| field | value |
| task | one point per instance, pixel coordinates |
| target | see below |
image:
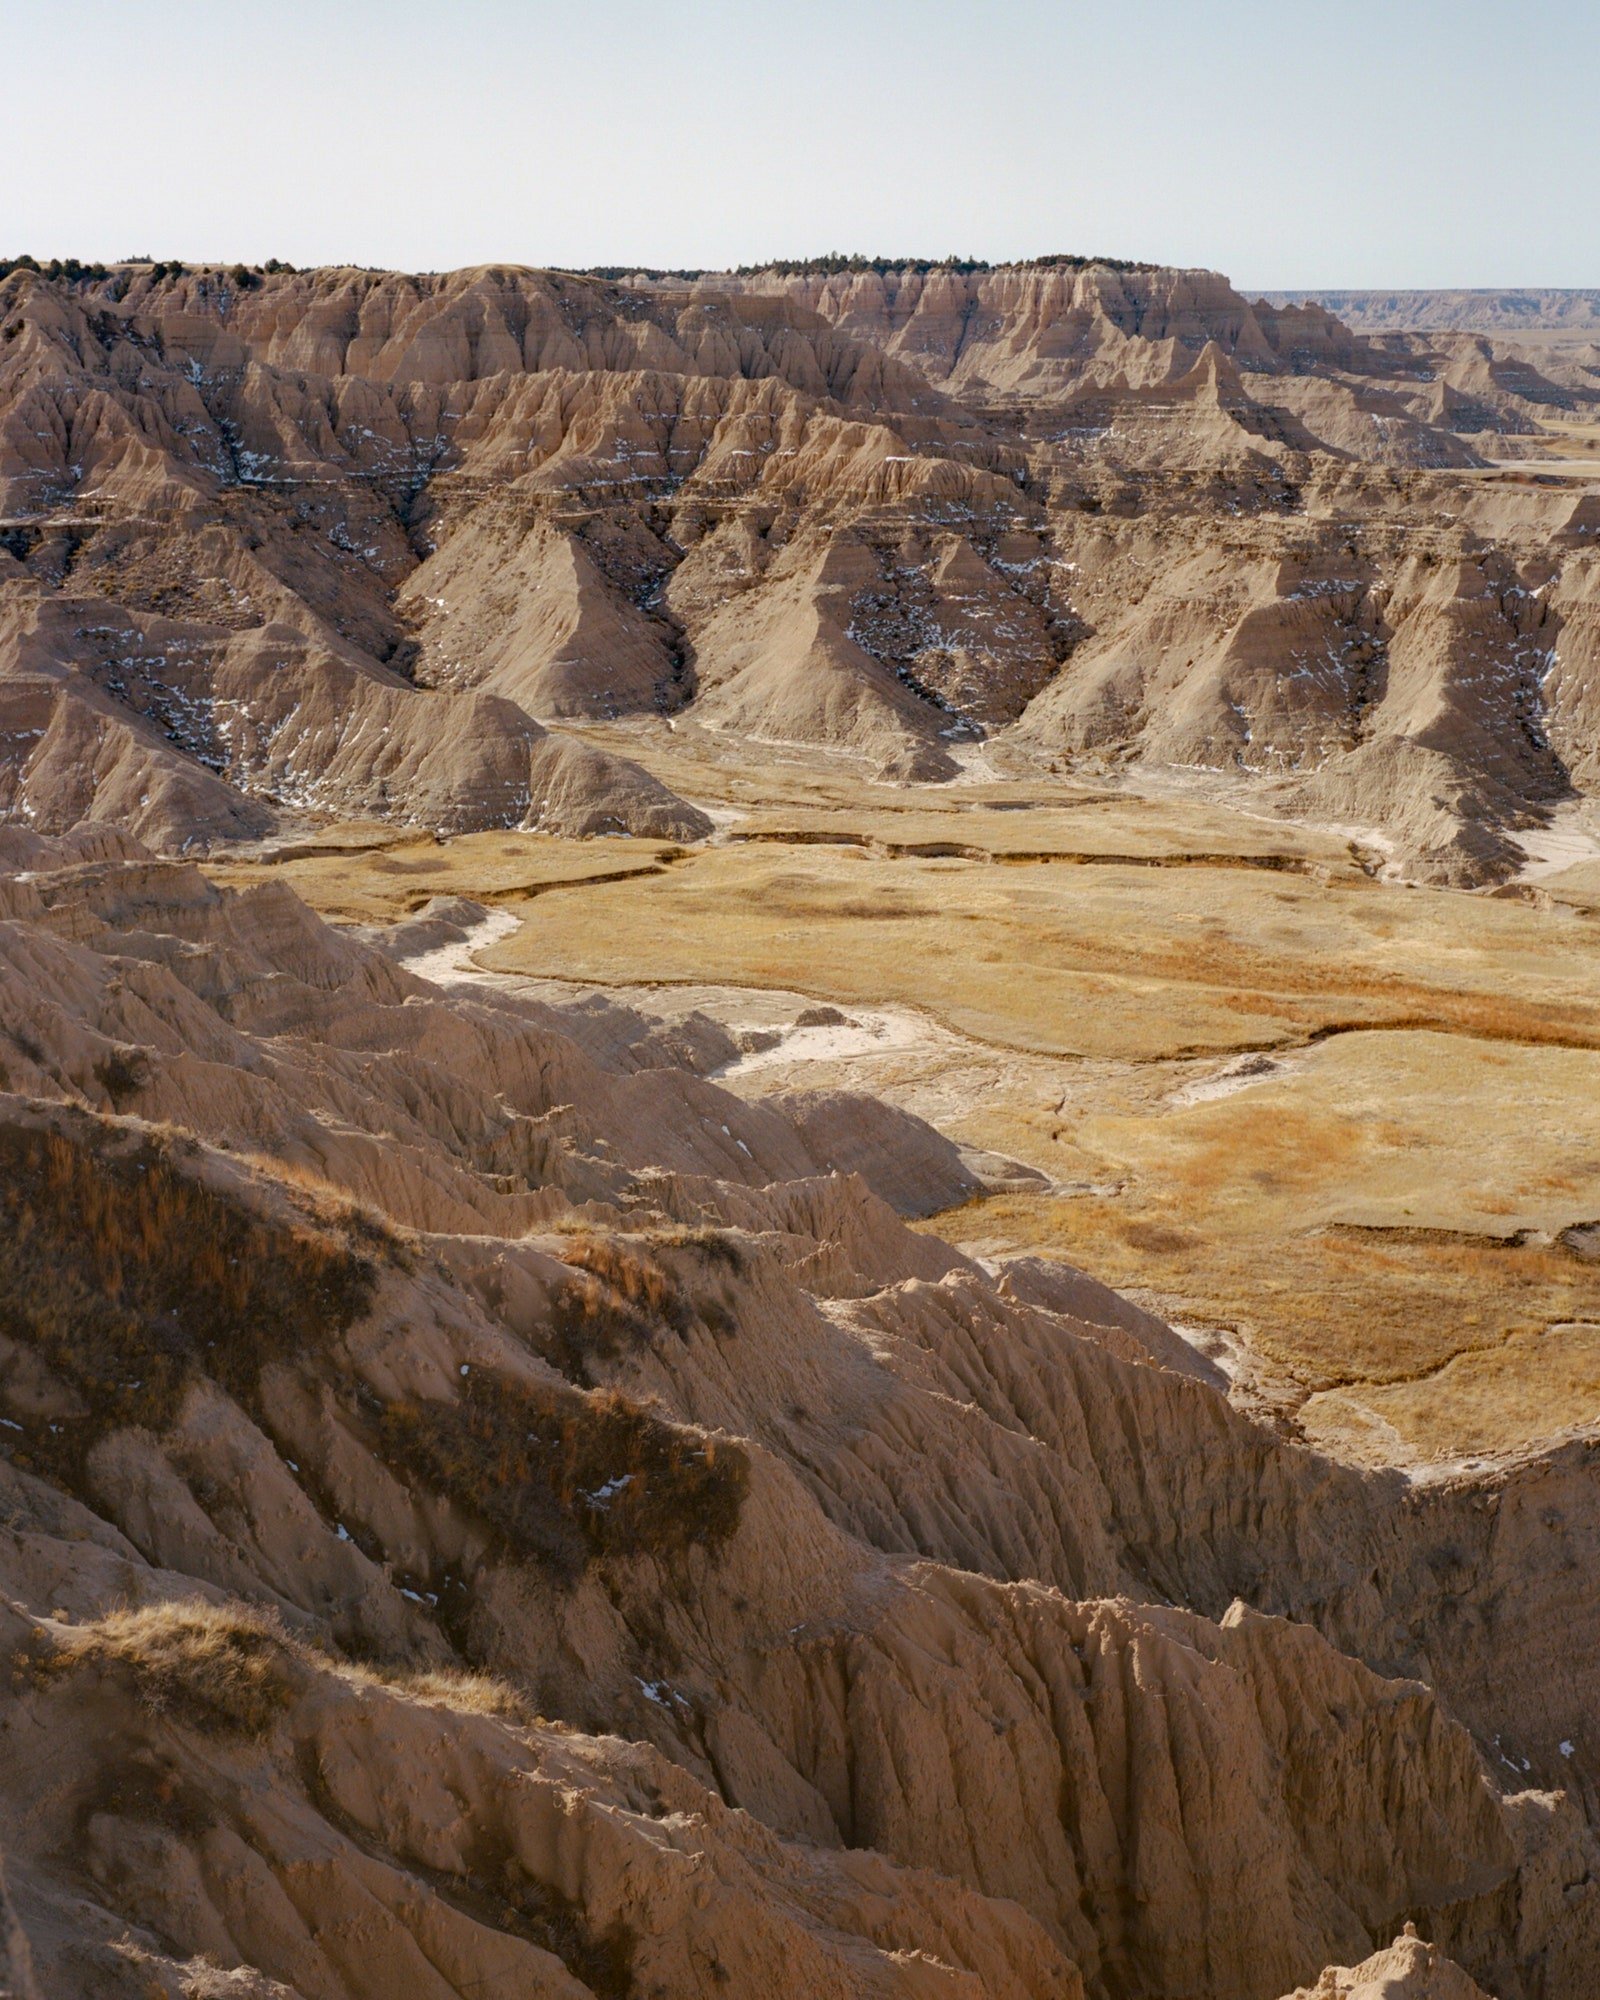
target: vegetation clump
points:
(456, 1688)
(122, 1074)
(611, 274)
(561, 1476)
(615, 1307)
(635, 1278)
(710, 1245)
(589, 1322)
(1064, 261)
(130, 1280)
(67, 268)
(225, 1669)
(625, 1296)
(837, 263)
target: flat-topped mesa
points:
(402, 328)
(1509, 309)
(1037, 330)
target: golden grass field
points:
(1374, 1216)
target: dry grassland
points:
(1376, 1217)
(376, 884)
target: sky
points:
(1343, 143)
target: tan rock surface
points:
(877, 514)
(486, 1509)
(1410, 1969)
(902, 1631)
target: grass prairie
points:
(374, 884)
(1337, 1123)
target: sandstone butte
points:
(489, 1511)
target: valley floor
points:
(1346, 1132)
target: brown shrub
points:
(130, 1280)
(590, 1322)
(712, 1246)
(635, 1278)
(455, 1688)
(335, 1207)
(626, 1296)
(226, 1669)
(563, 1476)
(122, 1074)
(617, 1306)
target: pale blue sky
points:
(1342, 143)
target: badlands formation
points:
(1537, 311)
(801, 1184)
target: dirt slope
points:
(490, 1511)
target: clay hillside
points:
(277, 547)
(489, 1511)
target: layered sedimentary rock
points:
(1041, 332)
(1512, 310)
(489, 1511)
(343, 544)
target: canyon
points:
(797, 1080)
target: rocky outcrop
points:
(488, 1510)
(339, 544)
(187, 735)
(1410, 1969)
(1041, 332)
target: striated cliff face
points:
(1019, 332)
(357, 544)
(488, 1511)
(343, 543)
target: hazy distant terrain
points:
(1492, 311)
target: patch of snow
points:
(869, 1031)
(1570, 837)
(1240, 1074)
(976, 764)
(455, 961)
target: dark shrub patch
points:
(130, 1280)
(625, 1296)
(711, 1246)
(639, 1280)
(590, 1322)
(562, 1476)
(122, 1074)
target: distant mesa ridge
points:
(1491, 309)
(280, 546)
